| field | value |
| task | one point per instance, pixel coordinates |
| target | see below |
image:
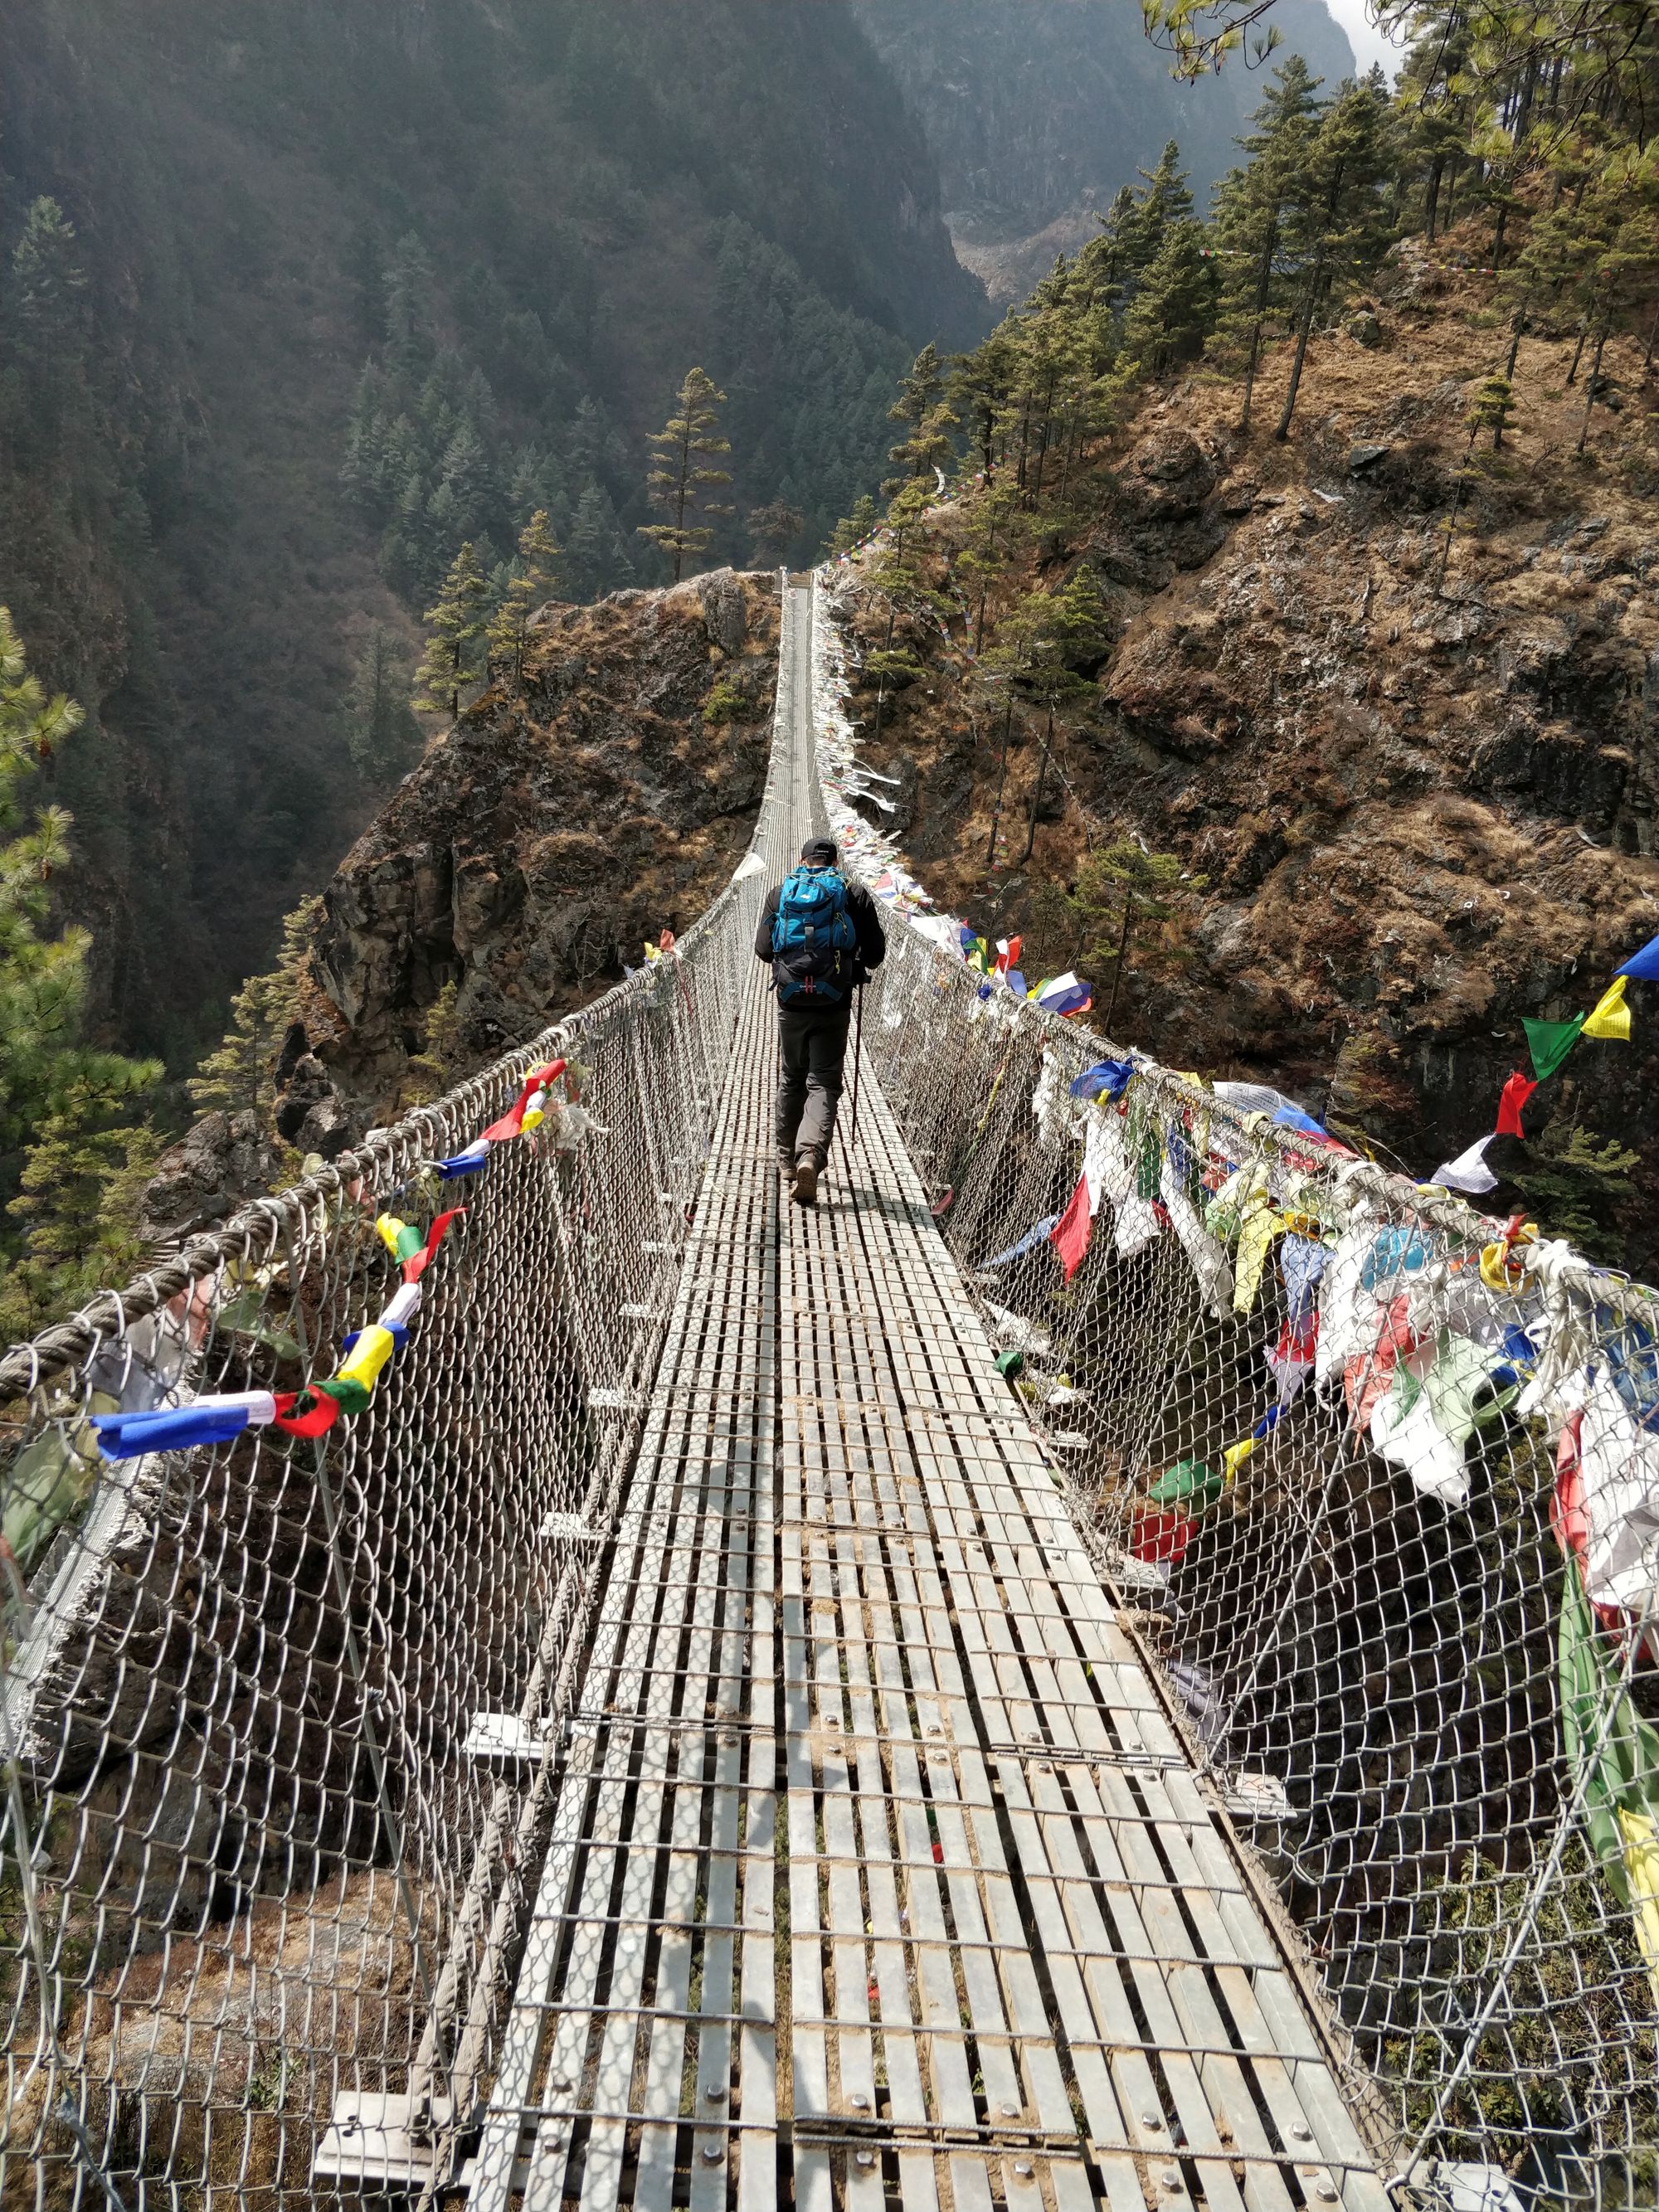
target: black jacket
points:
(870, 947)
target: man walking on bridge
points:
(822, 936)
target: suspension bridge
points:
(700, 1735)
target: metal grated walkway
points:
(878, 1877)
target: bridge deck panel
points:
(992, 1949)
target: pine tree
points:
(1340, 225)
(773, 529)
(1120, 888)
(365, 472)
(1250, 206)
(992, 537)
(1109, 263)
(433, 1070)
(979, 387)
(1166, 201)
(1578, 1186)
(80, 1194)
(930, 446)
(45, 295)
(920, 388)
(1493, 410)
(69, 1115)
(531, 585)
(409, 283)
(467, 494)
(1174, 308)
(921, 405)
(596, 554)
(1062, 633)
(455, 629)
(381, 735)
(852, 529)
(677, 481)
(240, 1074)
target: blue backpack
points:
(813, 939)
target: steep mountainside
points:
(529, 217)
(557, 827)
(1409, 810)
(567, 818)
(1039, 110)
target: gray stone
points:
(223, 1160)
(1364, 329)
(724, 610)
(1363, 457)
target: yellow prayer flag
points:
(390, 1229)
(1235, 1456)
(1611, 1016)
(1258, 1225)
(373, 1347)
(1641, 1854)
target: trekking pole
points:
(858, 1054)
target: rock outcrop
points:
(544, 837)
(221, 1160)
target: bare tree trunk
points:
(1002, 777)
(1590, 387)
(1122, 954)
(1263, 282)
(1282, 429)
(1578, 352)
(1515, 345)
(1037, 796)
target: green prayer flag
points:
(1625, 1775)
(1549, 1042)
(352, 1396)
(1188, 1482)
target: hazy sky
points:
(1368, 46)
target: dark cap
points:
(820, 851)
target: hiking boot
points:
(786, 1166)
(806, 1183)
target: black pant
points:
(811, 1050)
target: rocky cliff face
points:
(553, 830)
(1037, 111)
(1412, 809)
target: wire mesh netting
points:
(1381, 1490)
(277, 1708)
(1372, 1477)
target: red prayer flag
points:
(1159, 1538)
(322, 1413)
(416, 1267)
(512, 1122)
(1070, 1234)
(1514, 1095)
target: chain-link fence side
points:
(277, 1711)
(1342, 1451)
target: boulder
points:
(724, 610)
(202, 1180)
(1170, 476)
